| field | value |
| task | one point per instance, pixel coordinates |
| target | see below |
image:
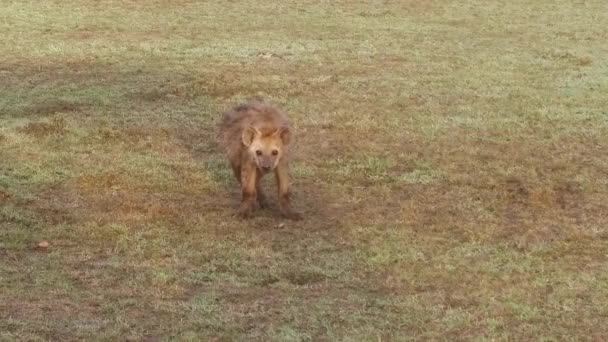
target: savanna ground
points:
(451, 163)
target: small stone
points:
(42, 244)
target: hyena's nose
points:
(265, 168)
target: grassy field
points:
(451, 162)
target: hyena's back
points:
(262, 116)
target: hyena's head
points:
(266, 149)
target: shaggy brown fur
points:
(256, 137)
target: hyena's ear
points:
(248, 135)
(285, 135)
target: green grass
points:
(450, 160)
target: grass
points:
(450, 160)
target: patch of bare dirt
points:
(570, 197)
(301, 278)
(152, 95)
(517, 197)
(54, 126)
(128, 206)
(47, 107)
(64, 310)
(36, 75)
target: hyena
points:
(256, 137)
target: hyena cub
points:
(256, 136)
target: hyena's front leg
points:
(282, 175)
(248, 190)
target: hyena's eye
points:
(258, 152)
(275, 152)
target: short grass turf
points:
(451, 161)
